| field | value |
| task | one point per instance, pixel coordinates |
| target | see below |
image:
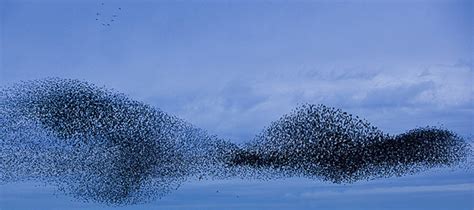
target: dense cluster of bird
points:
(107, 19)
(98, 145)
(322, 142)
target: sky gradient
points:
(232, 67)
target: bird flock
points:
(105, 19)
(101, 146)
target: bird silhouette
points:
(102, 146)
(112, 18)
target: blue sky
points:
(232, 67)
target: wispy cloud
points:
(238, 107)
(393, 190)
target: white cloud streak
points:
(393, 190)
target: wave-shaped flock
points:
(99, 145)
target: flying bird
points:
(112, 18)
(99, 145)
